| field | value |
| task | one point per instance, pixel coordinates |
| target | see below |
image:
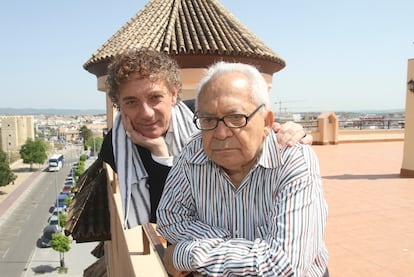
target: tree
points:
(85, 133)
(94, 143)
(81, 167)
(61, 244)
(6, 175)
(33, 151)
(63, 217)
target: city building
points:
(15, 130)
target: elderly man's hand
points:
(290, 133)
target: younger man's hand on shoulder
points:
(290, 133)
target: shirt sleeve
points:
(176, 212)
(106, 154)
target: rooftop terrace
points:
(370, 229)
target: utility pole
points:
(280, 102)
(94, 149)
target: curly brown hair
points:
(147, 63)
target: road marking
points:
(5, 253)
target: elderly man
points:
(151, 129)
(233, 204)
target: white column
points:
(407, 169)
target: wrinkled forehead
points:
(230, 88)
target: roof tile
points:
(88, 216)
(185, 27)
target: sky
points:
(340, 55)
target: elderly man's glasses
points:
(206, 123)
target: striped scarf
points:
(132, 176)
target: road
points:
(22, 225)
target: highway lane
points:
(21, 227)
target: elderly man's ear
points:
(269, 120)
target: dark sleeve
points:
(158, 176)
(107, 153)
(190, 104)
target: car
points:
(61, 200)
(67, 188)
(68, 193)
(72, 171)
(53, 220)
(58, 210)
(69, 182)
(48, 231)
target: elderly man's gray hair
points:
(259, 86)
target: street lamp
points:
(57, 200)
(8, 148)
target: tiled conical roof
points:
(187, 29)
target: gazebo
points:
(195, 33)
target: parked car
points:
(61, 200)
(48, 231)
(53, 220)
(67, 188)
(69, 182)
(72, 170)
(58, 210)
(68, 194)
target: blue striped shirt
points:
(271, 225)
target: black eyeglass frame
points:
(223, 119)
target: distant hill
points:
(29, 111)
